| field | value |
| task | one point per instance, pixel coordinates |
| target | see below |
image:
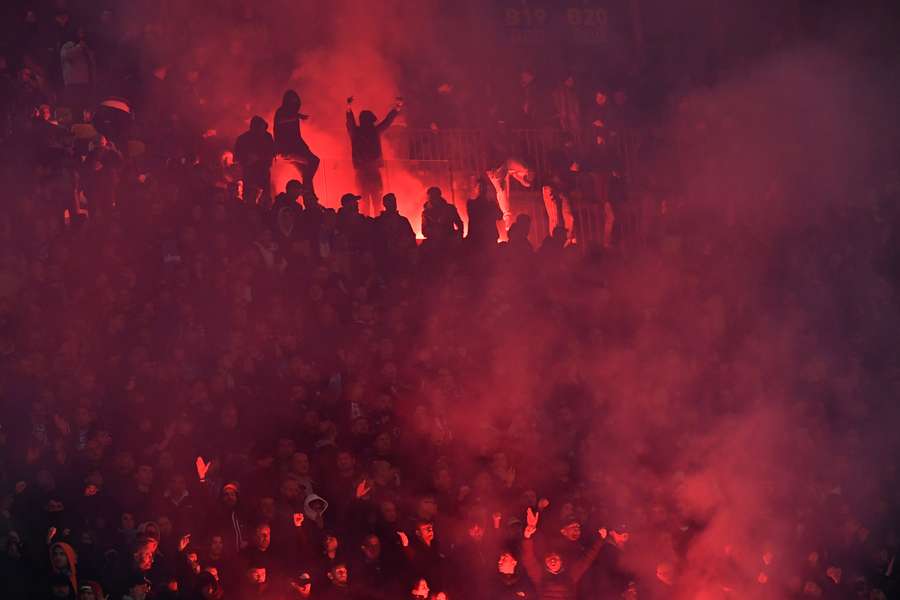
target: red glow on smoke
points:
(336, 177)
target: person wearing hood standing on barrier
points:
(368, 159)
(289, 142)
(254, 151)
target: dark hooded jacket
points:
(365, 138)
(287, 125)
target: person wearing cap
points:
(365, 144)
(227, 516)
(352, 225)
(289, 199)
(569, 543)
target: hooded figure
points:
(288, 140)
(254, 150)
(365, 143)
(63, 561)
(440, 219)
(314, 508)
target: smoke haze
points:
(727, 395)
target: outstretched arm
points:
(585, 562)
(387, 121)
(531, 564)
(528, 557)
(351, 120)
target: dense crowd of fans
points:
(210, 395)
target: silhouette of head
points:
(310, 199)
(390, 202)
(259, 124)
(291, 100)
(350, 201)
(367, 118)
(434, 193)
(293, 189)
(519, 230)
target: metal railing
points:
(465, 151)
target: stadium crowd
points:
(209, 395)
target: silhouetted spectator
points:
(254, 151)
(484, 217)
(365, 142)
(441, 224)
(289, 141)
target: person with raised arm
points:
(555, 580)
(368, 158)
